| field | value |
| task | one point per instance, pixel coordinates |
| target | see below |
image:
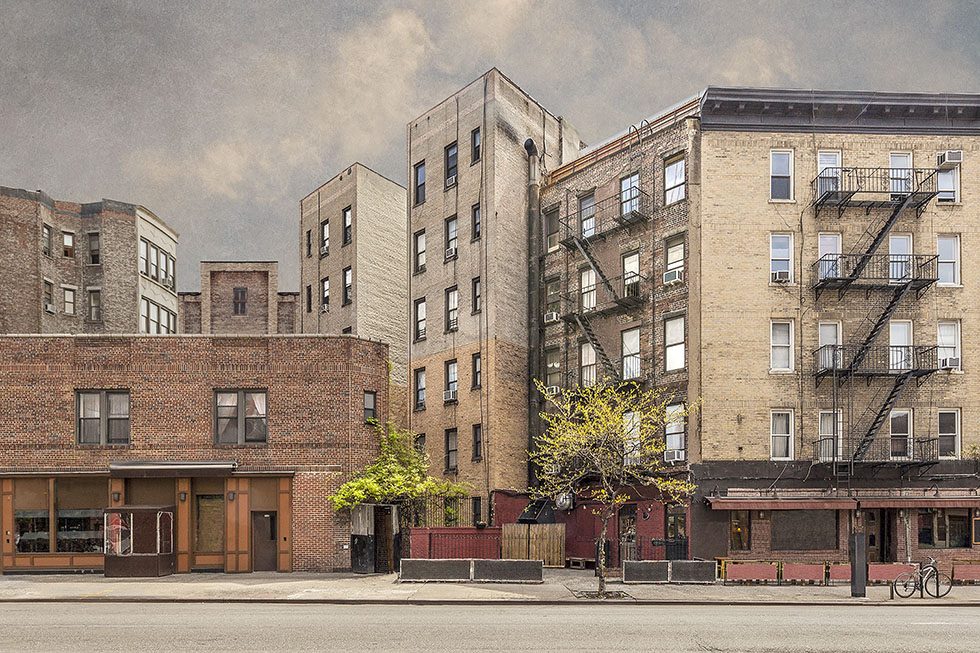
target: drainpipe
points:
(534, 296)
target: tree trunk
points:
(601, 554)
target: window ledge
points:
(241, 445)
(949, 285)
(418, 408)
(106, 446)
(781, 372)
(773, 201)
(477, 459)
(451, 186)
(674, 203)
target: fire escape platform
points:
(874, 188)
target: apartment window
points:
(154, 262)
(587, 365)
(48, 298)
(630, 348)
(162, 256)
(94, 248)
(452, 309)
(144, 258)
(348, 222)
(552, 368)
(452, 156)
(95, 305)
(781, 434)
(452, 377)
(674, 181)
(451, 450)
(309, 243)
(828, 171)
(103, 417)
(552, 227)
(553, 296)
(781, 175)
(829, 255)
(172, 272)
(418, 180)
(68, 244)
(781, 345)
(476, 143)
(477, 441)
(949, 433)
(477, 222)
(477, 503)
(900, 433)
(948, 184)
(830, 435)
(739, 533)
(674, 429)
(348, 286)
(586, 211)
(419, 246)
(238, 299)
(629, 194)
(370, 405)
(828, 344)
(347, 330)
(587, 289)
(420, 319)
(948, 341)
(674, 343)
(781, 257)
(309, 298)
(477, 291)
(240, 416)
(948, 246)
(477, 370)
(420, 388)
(631, 274)
(154, 325)
(420, 443)
(944, 528)
(325, 292)
(451, 237)
(46, 240)
(324, 237)
(69, 300)
(900, 174)
(675, 253)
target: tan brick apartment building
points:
(239, 297)
(468, 265)
(244, 437)
(102, 267)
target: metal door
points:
(264, 539)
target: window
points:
(48, 298)
(238, 301)
(348, 221)
(418, 180)
(675, 253)
(781, 175)
(162, 256)
(632, 446)
(900, 433)
(551, 226)
(154, 262)
(370, 405)
(587, 366)
(171, 272)
(68, 244)
(103, 417)
(948, 246)
(452, 156)
(631, 274)
(828, 344)
(154, 326)
(420, 319)
(46, 240)
(674, 343)
(94, 248)
(587, 289)
(630, 348)
(477, 226)
(948, 184)
(348, 286)
(347, 330)
(420, 443)
(900, 174)
(144, 258)
(629, 194)
(586, 210)
(944, 528)
(477, 291)
(949, 433)
(420, 388)
(948, 341)
(452, 309)
(830, 435)
(95, 305)
(69, 301)
(324, 237)
(781, 434)
(781, 257)
(476, 143)
(309, 243)
(240, 416)
(477, 510)
(675, 428)
(829, 256)
(781, 345)
(155, 319)
(477, 441)
(552, 368)
(477, 370)
(900, 258)
(828, 171)
(674, 181)
(452, 376)
(325, 292)
(451, 240)
(451, 450)
(739, 534)
(553, 296)
(419, 241)
(900, 351)
(309, 298)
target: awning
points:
(922, 502)
(171, 469)
(726, 503)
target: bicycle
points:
(935, 583)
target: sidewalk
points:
(559, 587)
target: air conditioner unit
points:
(551, 317)
(450, 181)
(552, 389)
(450, 253)
(951, 363)
(453, 323)
(324, 250)
(673, 455)
(565, 501)
(170, 282)
(949, 159)
(49, 307)
(324, 308)
(781, 276)
(673, 276)
(449, 395)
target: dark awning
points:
(922, 502)
(171, 469)
(726, 503)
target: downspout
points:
(534, 297)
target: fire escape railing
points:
(890, 360)
(844, 271)
(604, 217)
(870, 188)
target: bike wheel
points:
(905, 584)
(938, 585)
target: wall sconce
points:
(116, 496)
(183, 496)
(231, 496)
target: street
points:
(263, 627)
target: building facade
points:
(241, 439)
(103, 267)
(239, 297)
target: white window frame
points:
(674, 427)
(677, 191)
(773, 344)
(65, 290)
(583, 363)
(792, 255)
(630, 360)
(823, 179)
(791, 448)
(955, 173)
(830, 268)
(587, 290)
(826, 356)
(792, 175)
(957, 348)
(957, 282)
(909, 437)
(957, 434)
(671, 245)
(671, 347)
(837, 452)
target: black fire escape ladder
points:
(879, 325)
(879, 237)
(881, 416)
(583, 249)
(611, 370)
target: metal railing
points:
(625, 208)
(883, 448)
(623, 292)
(876, 361)
(876, 269)
(833, 183)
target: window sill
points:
(781, 460)
(454, 470)
(777, 201)
(475, 239)
(93, 265)
(323, 256)
(781, 372)
(418, 204)
(476, 312)
(474, 162)
(949, 285)
(476, 387)
(956, 203)
(787, 284)
(418, 408)
(347, 303)
(107, 446)
(241, 445)
(675, 203)
(478, 459)
(419, 339)
(450, 186)
(451, 401)
(451, 258)
(419, 271)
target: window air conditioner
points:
(673, 455)
(324, 308)
(450, 253)
(453, 323)
(49, 307)
(552, 389)
(449, 395)
(949, 159)
(551, 317)
(951, 363)
(780, 276)
(673, 276)
(450, 181)
(324, 250)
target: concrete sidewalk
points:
(560, 586)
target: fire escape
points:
(605, 296)
(887, 194)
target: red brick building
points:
(245, 436)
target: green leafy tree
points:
(605, 443)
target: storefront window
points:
(740, 538)
(31, 534)
(947, 528)
(209, 517)
(80, 503)
(119, 534)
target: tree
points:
(400, 474)
(604, 442)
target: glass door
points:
(828, 339)
(900, 258)
(900, 174)
(829, 253)
(828, 172)
(900, 345)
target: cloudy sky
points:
(220, 116)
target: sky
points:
(220, 116)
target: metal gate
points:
(534, 542)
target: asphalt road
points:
(265, 627)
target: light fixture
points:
(183, 496)
(231, 496)
(116, 496)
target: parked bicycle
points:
(928, 577)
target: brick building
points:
(103, 267)
(244, 436)
(239, 297)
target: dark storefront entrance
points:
(264, 541)
(375, 539)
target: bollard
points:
(859, 565)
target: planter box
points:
(645, 571)
(414, 569)
(886, 572)
(750, 571)
(508, 571)
(693, 571)
(803, 572)
(966, 572)
(840, 573)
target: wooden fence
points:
(534, 542)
